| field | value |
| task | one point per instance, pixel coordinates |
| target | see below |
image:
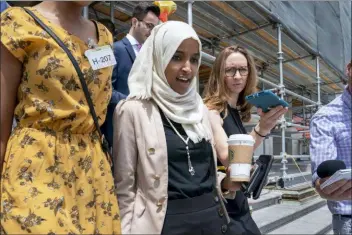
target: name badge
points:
(101, 57)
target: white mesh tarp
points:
(323, 27)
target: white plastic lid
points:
(241, 139)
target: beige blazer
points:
(141, 166)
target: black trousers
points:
(196, 216)
(240, 215)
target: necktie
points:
(139, 47)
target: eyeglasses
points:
(231, 72)
(150, 26)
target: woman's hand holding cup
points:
(228, 184)
(240, 154)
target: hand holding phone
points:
(343, 174)
(270, 109)
(270, 119)
(337, 191)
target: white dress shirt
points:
(134, 43)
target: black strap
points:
(104, 143)
(234, 113)
(263, 136)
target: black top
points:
(232, 122)
(233, 125)
(181, 183)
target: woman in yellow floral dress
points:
(55, 177)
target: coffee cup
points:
(240, 157)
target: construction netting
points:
(324, 27)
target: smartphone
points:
(343, 174)
(259, 177)
(266, 100)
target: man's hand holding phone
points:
(338, 191)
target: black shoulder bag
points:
(104, 143)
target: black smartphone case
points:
(258, 179)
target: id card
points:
(101, 57)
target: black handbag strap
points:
(104, 143)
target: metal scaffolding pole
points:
(292, 60)
(112, 11)
(287, 91)
(262, 75)
(263, 88)
(190, 22)
(280, 59)
(290, 138)
(85, 12)
(303, 108)
(318, 81)
(300, 97)
(249, 31)
(207, 59)
(189, 12)
(289, 124)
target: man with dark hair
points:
(144, 18)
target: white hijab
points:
(147, 79)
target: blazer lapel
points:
(129, 48)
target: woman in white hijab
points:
(165, 163)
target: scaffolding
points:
(214, 22)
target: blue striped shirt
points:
(330, 134)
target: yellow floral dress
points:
(56, 178)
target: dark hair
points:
(23, 3)
(142, 9)
(109, 25)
